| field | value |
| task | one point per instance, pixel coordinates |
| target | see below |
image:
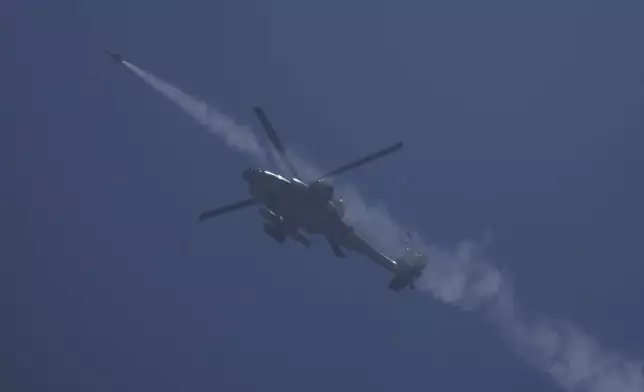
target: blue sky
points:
(524, 119)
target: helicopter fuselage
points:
(297, 203)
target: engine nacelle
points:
(275, 232)
(322, 190)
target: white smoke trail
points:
(574, 359)
(235, 135)
(460, 277)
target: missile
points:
(115, 56)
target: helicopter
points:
(292, 207)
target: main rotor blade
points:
(275, 140)
(411, 240)
(369, 158)
(228, 208)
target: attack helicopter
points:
(291, 207)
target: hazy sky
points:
(520, 119)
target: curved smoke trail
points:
(460, 276)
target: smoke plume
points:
(235, 135)
(461, 276)
(573, 358)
